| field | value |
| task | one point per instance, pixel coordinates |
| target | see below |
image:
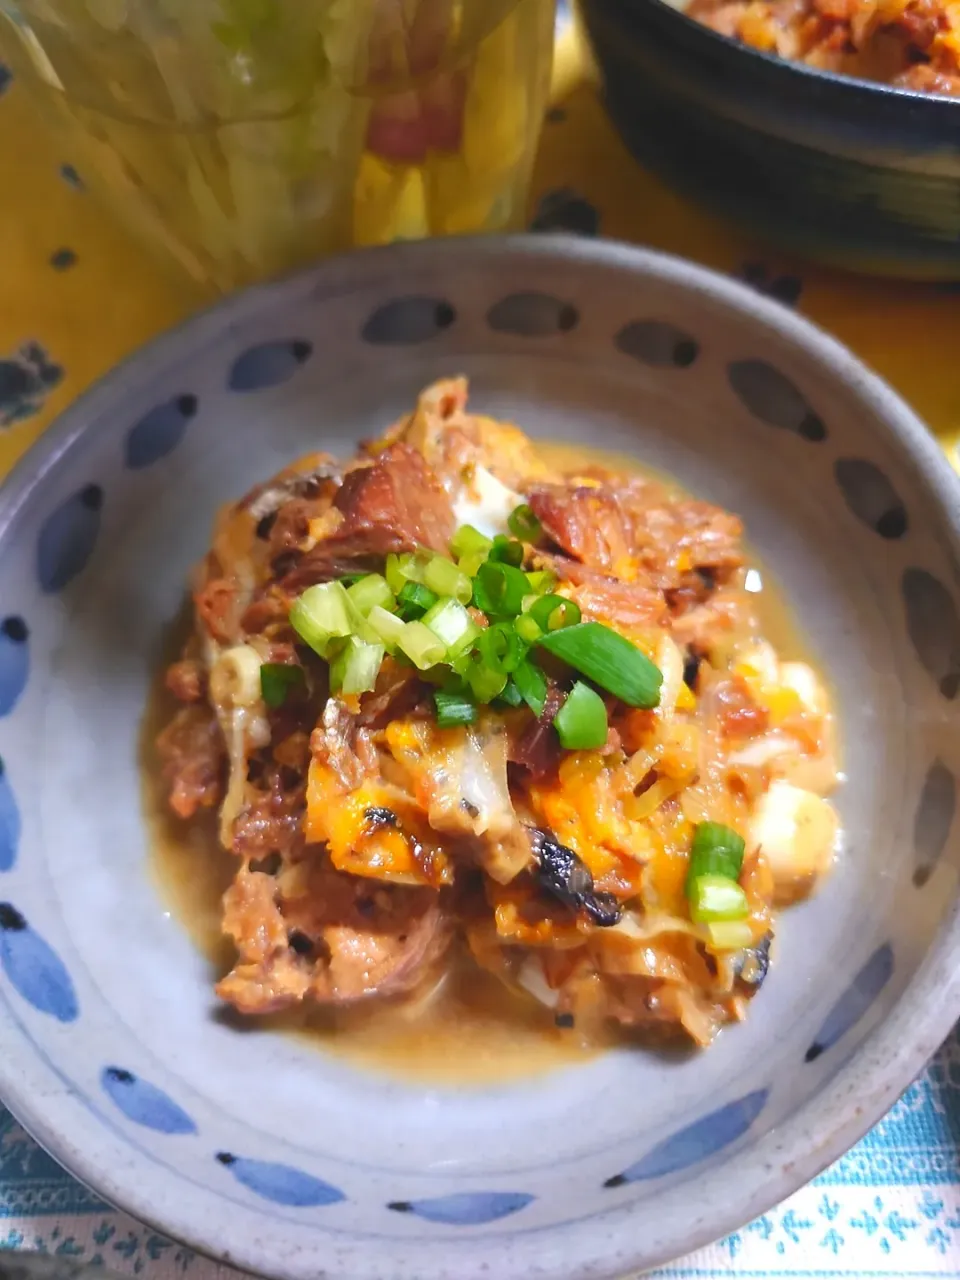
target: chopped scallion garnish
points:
(449, 620)
(471, 562)
(468, 541)
(355, 668)
(409, 566)
(528, 630)
(416, 610)
(443, 577)
(716, 899)
(322, 614)
(716, 851)
(454, 709)
(415, 599)
(524, 524)
(276, 681)
(507, 550)
(421, 645)
(498, 589)
(511, 695)
(388, 627)
(532, 686)
(541, 581)
(396, 578)
(609, 660)
(369, 591)
(551, 613)
(582, 720)
(500, 648)
(484, 683)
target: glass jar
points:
(246, 136)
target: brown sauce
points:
(471, 1030)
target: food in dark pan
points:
(910, 44)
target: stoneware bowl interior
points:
(257, 1148)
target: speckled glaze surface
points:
(258, 1149)
(860, 175)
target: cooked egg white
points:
(796, 831)
(486, 503)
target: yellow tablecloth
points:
(72, 282)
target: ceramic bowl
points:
(257, 1148)
(858, 174)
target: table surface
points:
(890, 1207)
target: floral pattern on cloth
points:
(891, 1206)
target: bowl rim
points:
(781, 1160)
(832, 81)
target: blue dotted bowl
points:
(260, 1150)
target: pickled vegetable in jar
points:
(246, 136)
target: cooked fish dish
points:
(449, 698)
(909, 44)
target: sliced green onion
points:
(421, 645)
(468, 541)
(415, 599)
(409, 566)
(485, 683)
(582, 720)
(454, 709)
(322, 614)
(532, 686)
(524, 524)
(551, 613)
(716, 898)
(277, 679)
(500, 648)
(541, 581)
(449, 620)
(471, 562)
(716, 851)
(461, 663)
(498, 589)
(369, 591)
(609, 660)
(507, 550)
(730, 935)
(388, 627)
(355, 669)
(443, 577)
(393, 574)
(511, 695)
(528, 630)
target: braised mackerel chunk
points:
(446, 697)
